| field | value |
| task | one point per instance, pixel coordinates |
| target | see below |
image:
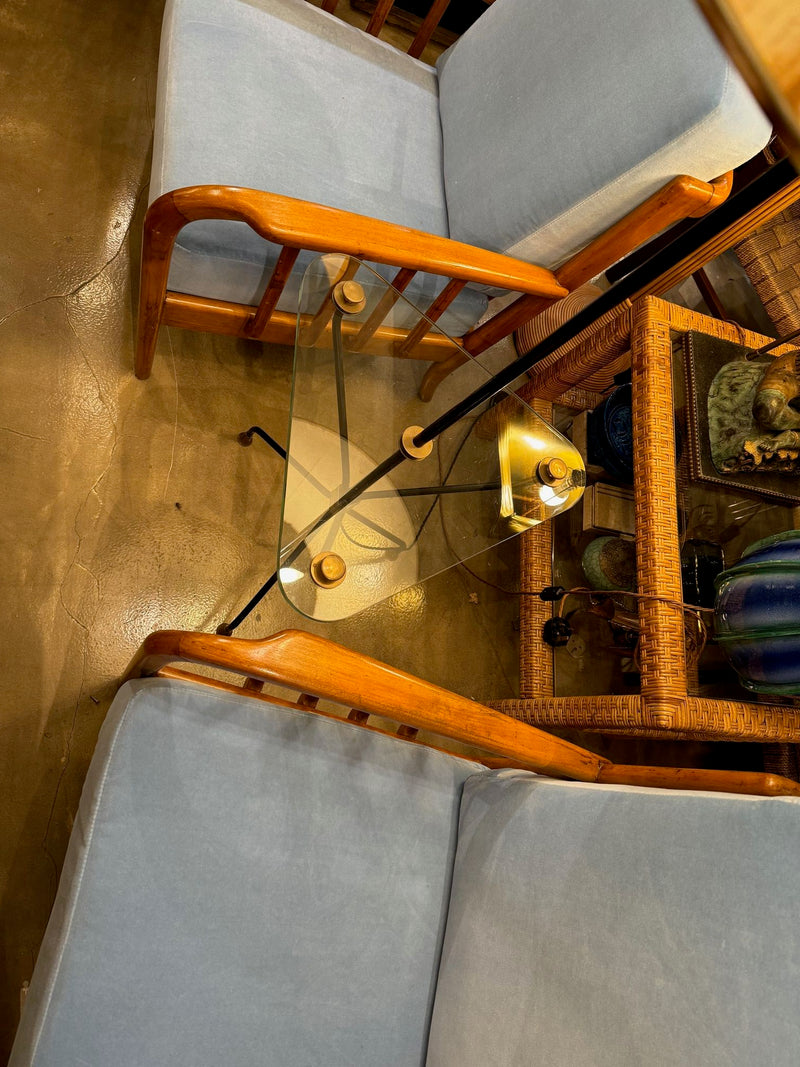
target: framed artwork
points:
(704, 357)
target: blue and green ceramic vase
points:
(757, 614)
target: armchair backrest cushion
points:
(558, 118)
(607, 926)
(277, 95)
(246, 884)
(280, 96)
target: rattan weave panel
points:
(709, 720)
(593, 349)
(771, 258)
(661, 646)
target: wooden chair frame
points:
(298, 225)
(666, 707)
(320, 669)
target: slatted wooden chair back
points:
(381, 12)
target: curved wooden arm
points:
(751, 782)
(683, 197)
(323, 669)
(720, 190)
(302, 224)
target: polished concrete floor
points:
(128, 506)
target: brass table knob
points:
(552, 470)
(349, 297)
(409, 449)
(328, 570)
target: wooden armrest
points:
(755, 783)
(683, 197)
(323, 669)
(301, 224)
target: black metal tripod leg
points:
(227, 628)
(246, 438)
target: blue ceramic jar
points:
(610, 435)
(757, 615)
(610, 432)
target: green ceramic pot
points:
(610, 563)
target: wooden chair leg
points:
(157, 243)
(146, 337)
(436, 374)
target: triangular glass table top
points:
(366, 511)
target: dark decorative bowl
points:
(757, 615)
(610, 433)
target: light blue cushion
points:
(602, 926)
(558, 118)
(279, 96)
(245, 884)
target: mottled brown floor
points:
(128, 506)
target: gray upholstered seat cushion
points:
(616, 927)
(277, 95)
(246, 884)
(558, 118)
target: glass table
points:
(383, 490)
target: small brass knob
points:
(349, 297)
(551, 471)
(409, 449)
(328, 570)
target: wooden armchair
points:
(253, 880)
(281, 132)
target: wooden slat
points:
(359, 717)
(375, 24)
(434, 312)
(709, 294)
(280, 275)
(330, 6)
(219, 316)
(382, 308)
(252, 690)
(431, 21)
